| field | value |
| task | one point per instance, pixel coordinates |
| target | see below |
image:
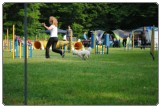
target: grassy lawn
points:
(120, 78)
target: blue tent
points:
(148, 30)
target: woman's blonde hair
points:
(53, 21)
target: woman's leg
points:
(54, 43)
(49, 43)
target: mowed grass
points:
(119, 78)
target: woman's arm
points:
(48, 28)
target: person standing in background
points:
(84, 36)
(124, 42)
(69, 33)
(143, 39)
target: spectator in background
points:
(86, 39)
(124, 42)
(115, 43)
(85, 36)
(69, 33)
(90, 34)
(143, 40)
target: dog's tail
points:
(89, 49)
(72, 48)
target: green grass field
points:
(120, 78)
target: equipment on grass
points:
(98, 45)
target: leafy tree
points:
(77, 29)
(81, 16)
(14, 14)
(33, 18)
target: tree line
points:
(80, 16)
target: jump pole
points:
(13, 34)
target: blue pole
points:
(92, 41)
(107, 42)
(30, 50)
(16, 47)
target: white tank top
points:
(53, 32)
